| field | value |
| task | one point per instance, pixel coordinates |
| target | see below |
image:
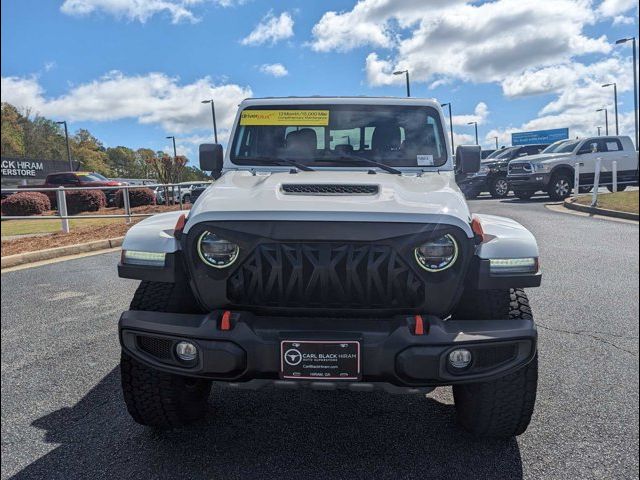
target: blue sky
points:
(133, 71)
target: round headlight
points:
(437, 255)
(215, 251)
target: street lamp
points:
(606, 119)
(599, 128)
(406, 72)
(213, 114)
(450, 122)
(476, 125)
(175, 154)
(635, 81)
(66, 136)
(496, 138)
(615, 102)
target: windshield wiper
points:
(366, 160)
(278, 161)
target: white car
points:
(334, 251)
(184, 189)
(554, 172)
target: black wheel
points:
(523, 194)
(156, 398)
(560, 186)
(621, 188)
(501, 408)
(499, 187)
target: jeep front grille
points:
(325, 275)
(328, 189)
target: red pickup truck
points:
(78, 179)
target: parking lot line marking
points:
(57, 260)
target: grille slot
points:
(326, 275)
(156, 347)
(488, 357)
(328, 189)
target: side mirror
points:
(211, 158)
(468, 158)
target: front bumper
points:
(391, 352)
(529, 182)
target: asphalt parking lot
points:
(63, 415)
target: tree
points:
(122, 161)
(89, 152)
(12, 132)
(168, 169)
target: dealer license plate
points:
(320, 360)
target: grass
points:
(24, 227)
(620, 201)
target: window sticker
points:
(424, 160)
(297, 118)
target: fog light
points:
(186, 351)
(460, 358)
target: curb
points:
(569, 203)
(50, 253)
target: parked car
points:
(492, 176)
(78, 179)
(554, 172)
(197, 190)
(184, 189)
(352, 264)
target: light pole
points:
(635, 81)
(496, 138)
(66, 136)
(406, 72)
(476, 125)
(175, 153)
(615, 102)
(606, 119)
(599, 128)
(213, 114)
(450, 123)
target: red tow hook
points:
(419, 326)
(225, 321)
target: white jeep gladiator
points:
(334, 252)
(554, 172)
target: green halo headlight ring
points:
(232, 257)
(451, 262)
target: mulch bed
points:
(79, 235)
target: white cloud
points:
(133, 10)
(613, 8)
(440, 40)
(154, 98)
(274, 69)
(480, 114)
(271, 29)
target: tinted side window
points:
(55, 179)
(591, 146)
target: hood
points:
(240, 195)
(541, 157)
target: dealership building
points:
(29, 171)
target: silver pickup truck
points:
(554, 173)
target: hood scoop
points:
(333, 189)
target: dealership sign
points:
(16, 168)
(539, 136)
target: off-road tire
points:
(523, 194)
(499, 187)
(155, 398)
(159, 399)
(621, 188)
(501, 408)
(560, 186)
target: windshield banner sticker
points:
(424, 160)
(285, 117)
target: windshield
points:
(494, 154)
(92, 177)
(554, 147)
(505, 152)
(567, 147)
(399, 136)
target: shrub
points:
(79, 201)
(137, 197)
(25, 203)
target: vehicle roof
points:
(360, 100)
